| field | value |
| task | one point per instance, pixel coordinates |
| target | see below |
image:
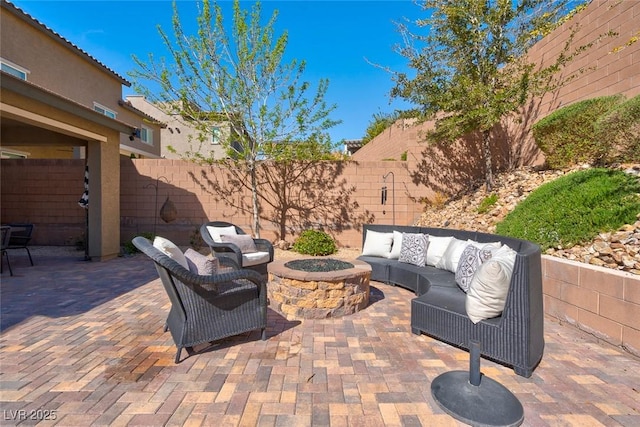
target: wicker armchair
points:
(256, 261)
(208, 308)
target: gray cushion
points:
(243, 241)
(201, 264)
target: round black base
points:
(488, 404)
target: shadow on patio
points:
(82, 342)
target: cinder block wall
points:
(598, 300)
(349, 196)
(45, 192)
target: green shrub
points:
(575, 208)
(314, 242)
(568, 135)
(487, 203)
(403, 156)
(129, 248)
(620, 128)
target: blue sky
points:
(333, 37)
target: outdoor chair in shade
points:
(6, 236)
(206, 308)
(20, 237)
(228, 240)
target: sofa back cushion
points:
(377, 244)
(489, 286)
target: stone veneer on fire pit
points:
(298, 294)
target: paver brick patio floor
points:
(83, 342)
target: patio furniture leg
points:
(264, 334)
(8, 263)
(29, 253)
(177, 360)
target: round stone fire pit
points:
(317, 288)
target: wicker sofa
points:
(514, 338)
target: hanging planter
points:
(168, 211)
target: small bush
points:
(487, 203)
(314, 242)
(128, 246)
(620, 128)
(574, 208)
(403, 156)
(568, 135)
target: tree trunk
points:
(486, 153)
(254, 201)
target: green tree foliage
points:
(470, 64)
(575, 208)
(238, 75)
(379, 122)
(568, 136)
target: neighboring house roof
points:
(352, 145)
(10, 7)
(126, 104)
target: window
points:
(13, 69)
(104, 110)
(146, 135)
(215, 135)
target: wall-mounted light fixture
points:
(134, 134)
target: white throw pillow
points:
(490, 245)
(437, 246)
(396, 246)
(451, 256)
(414, 249)
(215, 232)
(377, 244)
(490, 285)
(171, 250)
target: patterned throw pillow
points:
(414, 249)
(472, 257)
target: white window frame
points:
(146, 134)
(14, 69)
(104, 110)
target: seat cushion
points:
(255, 258)
(446, 298)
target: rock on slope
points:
(619, 250)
